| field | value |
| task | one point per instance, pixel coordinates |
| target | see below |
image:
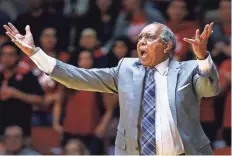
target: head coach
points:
(159, 97)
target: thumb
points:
(28, 29)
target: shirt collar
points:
(162, 68)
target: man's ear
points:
(168, 47)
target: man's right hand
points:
(25, 43)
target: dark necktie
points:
(148, 140)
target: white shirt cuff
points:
(205, 65)
(43, 61)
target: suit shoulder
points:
(188, 65)
(130, 61)
(127, 64)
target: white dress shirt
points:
(168, 140)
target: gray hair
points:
(167, 36)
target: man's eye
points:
(139, 38)
(149, 37)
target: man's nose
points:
(142, 41)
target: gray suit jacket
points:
(186, 86)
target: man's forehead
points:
(152, 28)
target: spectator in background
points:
(82, 115)
(13, 8)
(227, 119)
(177, 12)
(48, 40)
(2, 148)
(133, 19)
(221, 51)
(121, 48)
(75, 147)
(3, 20)
(76, 11)
(56, 6)
(39, 18)
(225, 92)
(43, 114)
(223, 104)
(76, 8)
(220, 42)
(89, 41)
(3, 39)
(103, 20)
(14, 144)
(19, 90)
(222, 29)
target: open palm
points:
(25, 43)
(199, 44)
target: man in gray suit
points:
(159, 97)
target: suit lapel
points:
(138, 83)
(172, 82)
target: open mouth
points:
(143, 53)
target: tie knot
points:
(151, 71)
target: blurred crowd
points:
(97, 34)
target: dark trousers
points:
(227, 135)
(94, 144)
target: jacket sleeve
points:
(206, 79)
(98, 80)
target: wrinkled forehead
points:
(155, 29)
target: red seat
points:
(223, 151)
(44, 139)
(227, 111)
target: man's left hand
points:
(199, 44)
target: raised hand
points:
(25, 43)
(199, 44)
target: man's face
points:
(88, 41)
(85, 60)
(150, 47)
(48, 39)
(120, 49)
(8, 57)
(177, 10)
(13, 139)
